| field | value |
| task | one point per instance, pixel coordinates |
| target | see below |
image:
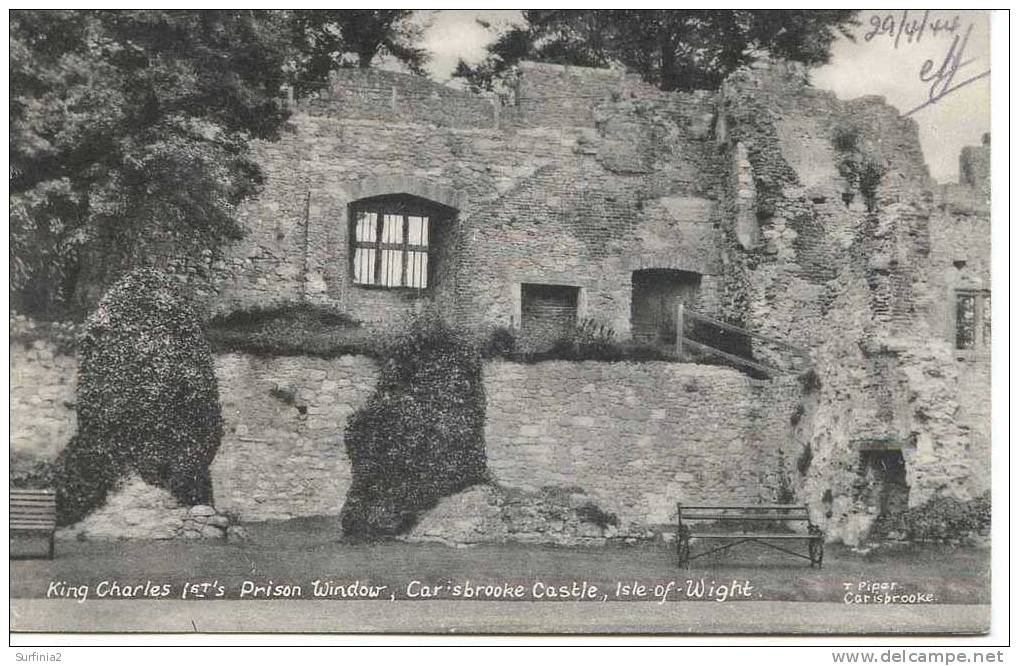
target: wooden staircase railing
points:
(684, 314)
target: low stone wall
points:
(282, 454)
(636, 437)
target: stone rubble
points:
(490, 513)
(137, 510)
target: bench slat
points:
(32, 516)
(32, 510)
(751, 535)
(743, 507)
(752, 516)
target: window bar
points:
(380, 216)
(404, 251)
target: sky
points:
(874, 66)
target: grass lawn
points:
(299, 551)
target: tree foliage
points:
(147, 401)
(673, 49)
(131, 128)
(125, 124)
(333, 38)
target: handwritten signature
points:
(942, 78)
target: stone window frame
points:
(982, 335)
(406, 206)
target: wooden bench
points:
(734, 523)
(33, 521)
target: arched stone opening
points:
(399, 241)
(407, 185)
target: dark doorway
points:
(656, 295)
(884, 487)
(547, 312)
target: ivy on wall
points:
(861, 169)
(147, 400)
(420, 436)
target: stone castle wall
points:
(636, 437)
(582, 178)
(282, 454)
(866, 280)
(42, 395)
(542, 194)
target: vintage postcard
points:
(500, 322)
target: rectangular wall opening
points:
(547, 311)
(656, 295)
(884, 487)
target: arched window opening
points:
(393, 241)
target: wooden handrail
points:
(766, 369)
(736, 329)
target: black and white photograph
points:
(535, 322)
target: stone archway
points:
(414, 186)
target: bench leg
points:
(683, 550)
(816, 549)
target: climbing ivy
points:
(147, 399)
(421, 435)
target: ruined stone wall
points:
(960, 260)
(550, 95)
(636, 437)
(975, 167)
(376, 94)
(583, 178)
(860, 273)
(636, 189)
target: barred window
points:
(391, 244)
(973, 320)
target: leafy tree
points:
(327, 39)
(125, 124)
(673, 49)
(130, 129)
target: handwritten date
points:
(895, 26)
